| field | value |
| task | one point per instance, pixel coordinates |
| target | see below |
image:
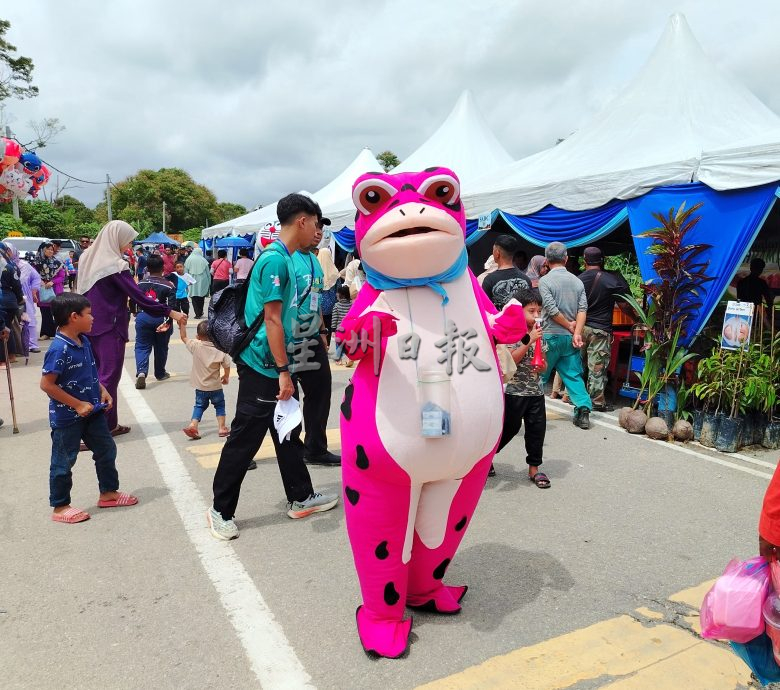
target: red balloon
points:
(12, 152)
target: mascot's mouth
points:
(407, 232)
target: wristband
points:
(324, 332)
(280, 370)
(525, 339)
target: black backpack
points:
(227, 325)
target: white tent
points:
(464, 143)
(336, 191)
(653, 134)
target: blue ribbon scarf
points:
(379, 281)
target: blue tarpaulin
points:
(158, 238)
(345, 239)
(730, 222)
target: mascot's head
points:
(410, 227)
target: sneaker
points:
(316, 503)
(140, 382)
(165, 376)
(584, 418)
(605, 407)
(251, 466)
(492, 471)
(219, 528)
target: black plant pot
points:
(759, 426)
(748, 430)
(709, 429)
(727, 439)
(698, 420)
(771, 438)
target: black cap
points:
(323, 221)
(593, 256)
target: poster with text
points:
(737, 323)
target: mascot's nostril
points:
(401, 211)
(422, 209)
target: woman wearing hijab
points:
(537, 267)
(198, 268)
(11, 297)
(31, 284)
(105, 280)
(328, 294)
(53, 276)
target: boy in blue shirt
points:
(77, 401)
(182, 303)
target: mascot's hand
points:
(509, 324)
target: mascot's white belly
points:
(477, 404)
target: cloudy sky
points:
(257, 99)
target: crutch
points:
(10, 386)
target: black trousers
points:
(183, 305)
(528, 409)
(254, 417)
(197, 305)
(316, 385)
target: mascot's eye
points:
(370, 195)
(442, 188)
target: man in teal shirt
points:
(311, 354)
(265, 377)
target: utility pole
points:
(163, 216)
(108, 197)
(15, 201)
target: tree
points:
(43, 217)
(191, 235)
(228, 211)
(15, 72)
(388, 160)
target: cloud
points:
(259, 99)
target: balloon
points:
(30, 162)
(11, 153)
(15, 181)
(41, 177)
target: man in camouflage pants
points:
(602, 288)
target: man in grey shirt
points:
(565, 307)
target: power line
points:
(61, 172)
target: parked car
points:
(66, 247)
(26, 245)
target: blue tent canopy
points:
(158, 238)
(239, 242)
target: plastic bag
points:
(757, 654)
(732, 609)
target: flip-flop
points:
(194, 435)
(70, 516)
(224, 434)
(83, 447)
(541, 480)
(120, 430)
(118, 502)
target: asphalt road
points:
(144, 596)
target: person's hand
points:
(535, 333)
(179, 317)
(163, 327)
(48, 284)
(25, 317)
(225, 379)
(5, 334)
(577, 340)
(105, 397)
(286, 388)
(572, 326)
(83, 409)
(767, 549)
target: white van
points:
(26, 245)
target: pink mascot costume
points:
(414, 469)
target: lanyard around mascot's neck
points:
(379, 281)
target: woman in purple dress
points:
(105, 280)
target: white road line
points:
(597, 418)
(270, 653)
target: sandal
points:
(70, 516)
(224, 434)
(541, 480)
(83, 447)
(118, 502)
(192, 433)
(120, 430)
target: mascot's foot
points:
(381, 636)
(445, 600)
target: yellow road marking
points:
(621, 653)
(207, 455)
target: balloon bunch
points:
(21, 172)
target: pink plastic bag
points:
(732, 609)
